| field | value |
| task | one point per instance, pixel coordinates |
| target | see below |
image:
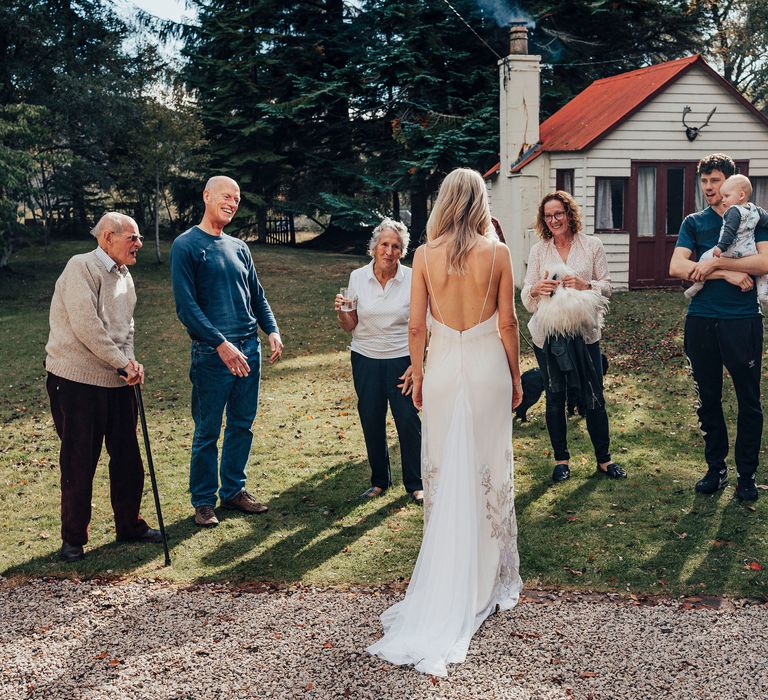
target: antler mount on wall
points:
(691, 132)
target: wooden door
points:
(661, 194)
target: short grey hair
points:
(397, 227)
(111, 221)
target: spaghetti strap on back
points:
(468, 562)
(431, 289)
(432, 297)
(490, 282)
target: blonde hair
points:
(741, 183)
(461, 213)
(396, 227)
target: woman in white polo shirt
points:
(381, 366)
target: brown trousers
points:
(85, 416)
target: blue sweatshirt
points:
(218, 295)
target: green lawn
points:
(649, 534)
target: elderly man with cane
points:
(91, 339)
(222, 305)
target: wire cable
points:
(471, 29)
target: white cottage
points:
(626, 148)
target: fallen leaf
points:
(434, 680)
(588, 674)
(103, 655)
(114, 662)
(681, 535)
(574, 572)
(309, 686)
(754, 566)
(328, 645)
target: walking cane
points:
(150, 464)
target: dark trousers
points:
(596, 418)
(376, 386)
(737, 345)
(85, 416)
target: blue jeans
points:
(215, 388)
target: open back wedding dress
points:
(468, 562)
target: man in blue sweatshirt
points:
(222, 305)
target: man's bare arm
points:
(682, 267)
(750, 265)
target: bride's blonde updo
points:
(461, 213)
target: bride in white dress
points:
(468, 562)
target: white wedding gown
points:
(468, 562)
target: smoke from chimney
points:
(504, 15)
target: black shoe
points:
(746, 489)
(71, 552)
(151, 535)
(417, 497)
(612, 471)
(713, 481)
(561, 472)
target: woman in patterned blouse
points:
(559, 224)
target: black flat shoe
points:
(561, 472)
(151, 535)
(71, 552)
(417, 497)
(612, 471)
(372, 493)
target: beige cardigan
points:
(91, 321)
(588, 261)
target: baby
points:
(737, 236)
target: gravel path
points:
(88, 640)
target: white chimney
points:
(519, 99)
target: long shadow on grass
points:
(686, 537)
(724, 559)
(113, 558)
(311, 521)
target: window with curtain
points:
(675, 199)
(609, 203)
(760, 191)
(564, 180)
(701, 203)
(646, 201)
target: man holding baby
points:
(723, 328)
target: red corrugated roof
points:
(606, 103)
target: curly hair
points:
(396, 227)
(716, 161)
(572, 212)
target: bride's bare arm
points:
(417, 324)
(509, 325)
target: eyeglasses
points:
(134, 237)
(555, 217)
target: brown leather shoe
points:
(245, 503)
(205, 516)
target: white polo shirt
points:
(382, 313)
